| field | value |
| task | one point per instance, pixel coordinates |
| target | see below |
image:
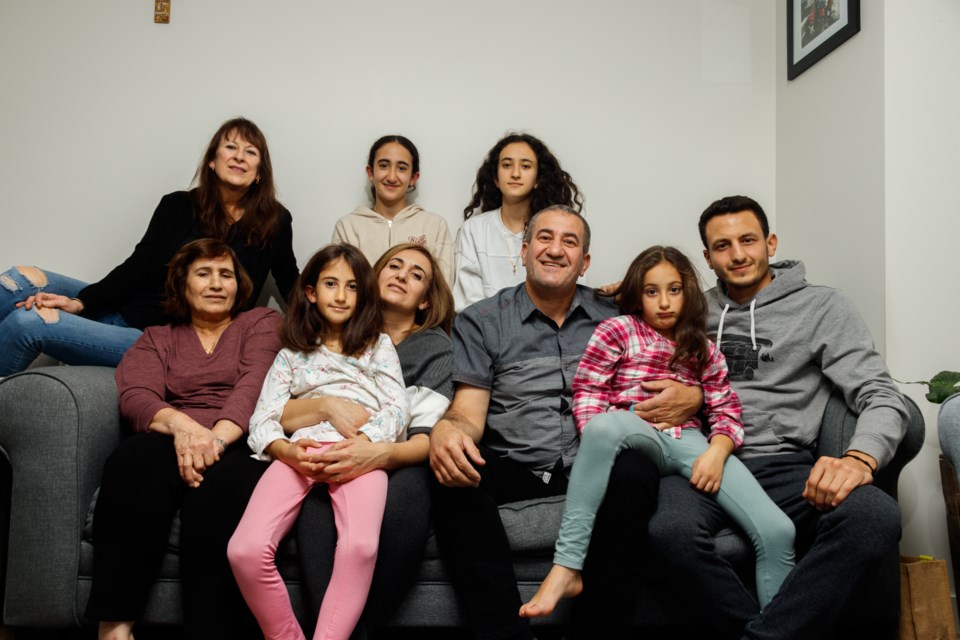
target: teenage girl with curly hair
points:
(519, 177)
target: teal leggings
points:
(740, 496)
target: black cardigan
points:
(135, 288)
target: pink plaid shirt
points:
(624, 351)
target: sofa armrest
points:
(839, 423)
(57, 427)
(948, 430)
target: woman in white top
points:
(519, 177)
(393, 168)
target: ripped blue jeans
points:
(70, 339)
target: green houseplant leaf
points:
(941, 386)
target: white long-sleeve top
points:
(372, 380)
(488, 258)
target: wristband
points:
(859, 459)
(222, 443)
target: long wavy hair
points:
(303, 326)
(261, 210)
(440, 308)
(554, 185)
(690, 332)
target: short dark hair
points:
(175, 301)
(562, 208)
(728, 205)
(303, 326)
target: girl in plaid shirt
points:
(662, 335)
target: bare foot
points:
(560, 583)
(115, 630)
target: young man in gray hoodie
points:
(788, 345)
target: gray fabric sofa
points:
(58, 424)
(948, 431)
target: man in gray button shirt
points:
(510, 435)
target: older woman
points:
(76, 323)
(418, 313)
(187, 391)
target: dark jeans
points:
(471, 537)
(139, 496)
(844, 553)
(403, 537)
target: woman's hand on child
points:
(353, 457)
(346, 416)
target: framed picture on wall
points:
(817, 27)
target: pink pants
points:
(358, 512)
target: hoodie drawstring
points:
(723, 314)
(753, 324)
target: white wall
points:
(868, 154)
(922, 194)
(830, 171)
(655, 108)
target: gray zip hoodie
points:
(787, 349)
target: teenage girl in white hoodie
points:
(393, 168)
(519, 177)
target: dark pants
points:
(471, 537)
(403, 537)
(611, 587)
(843, 554)
(139, 496)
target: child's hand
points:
(708, 468)
(301, 456)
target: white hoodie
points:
(373, 234)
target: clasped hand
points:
(197, 450)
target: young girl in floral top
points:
(332, 347)
(662, 336)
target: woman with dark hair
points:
(418, 313)
(187, 391)
(393, 168)
(519, 177)
(76, 323)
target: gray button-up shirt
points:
(506, 345)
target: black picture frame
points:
(833, 23)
